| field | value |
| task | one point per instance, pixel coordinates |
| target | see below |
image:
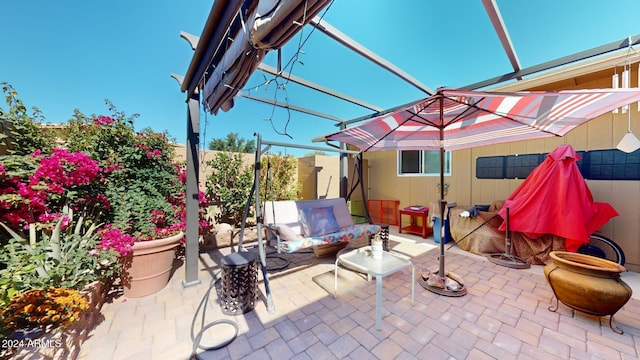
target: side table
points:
(389, 264)
(413, 227)
(239, 282)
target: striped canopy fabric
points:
(457, 119)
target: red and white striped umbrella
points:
(457, 119)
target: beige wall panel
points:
(552, 143)
(306, 175)
(328, 180)
(600, 133)
(578, 138)
(625, 231)
(383, 182)
(463, 172)
(518, 147)
(320, 176)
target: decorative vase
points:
(376, 247)
(148, 268)
(588, 284)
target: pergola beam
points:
(583, 55)
(353, 45)
(193, 40)
(492, 10)
(273, 71)
(220, 18)
(580, 56)
(292, 107)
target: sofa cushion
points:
(287, 233)
(318, 221)
(349, 233)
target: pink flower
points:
(103, 120)
(60, 179)
(114, 239)
(152, 154)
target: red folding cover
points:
(554, 199)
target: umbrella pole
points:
(429, 284)
(443, 205)
(443, 202)
(506, 258)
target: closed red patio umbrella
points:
(554, 199)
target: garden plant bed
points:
(60, 343)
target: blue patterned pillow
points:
(318, 221)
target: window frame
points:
(421, 171)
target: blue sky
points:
(65, 55)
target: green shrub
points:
(228, 186)
(21, 133)
(230, 181)
(279, 184)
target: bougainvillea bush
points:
(74, 199)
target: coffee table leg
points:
(335, 279)
(378, 302)
(413, 284)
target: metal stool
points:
(239, 282)
(384, 236)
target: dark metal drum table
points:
(239, 282)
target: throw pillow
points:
(286, 233)
(318, 221)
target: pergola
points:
(235, 39)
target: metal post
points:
(261, 250)
(192, 204)
(344, 167)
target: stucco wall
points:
(320, 176)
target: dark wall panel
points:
(609, 164)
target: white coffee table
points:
(361, 260)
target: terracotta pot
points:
(147, 269)
(587, 283)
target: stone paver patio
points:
(504, 316)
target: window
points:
(422, 163)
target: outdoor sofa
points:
(293, 225)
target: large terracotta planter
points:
(148, 268)
(587, 283)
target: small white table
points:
(361, 260)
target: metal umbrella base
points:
(506, 259)
(442, 291)
(509, 260)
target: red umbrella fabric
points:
(457, 119)
(554, 199)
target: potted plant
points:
(588, 284)
(50, 248)
(47, 213)
(145, 192)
